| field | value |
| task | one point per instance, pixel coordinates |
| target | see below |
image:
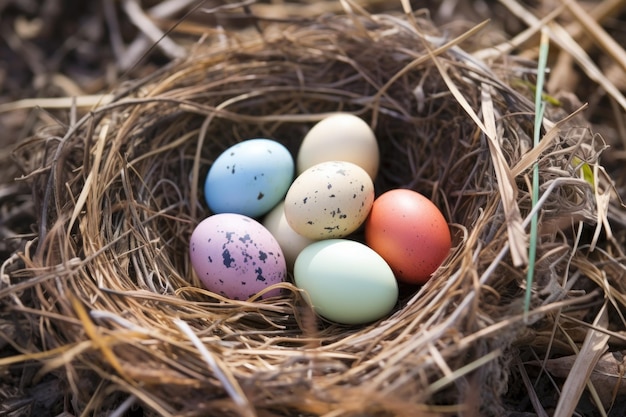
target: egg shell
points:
(235, 256)
(329, 200)
(340, 137)
(345, 281)
(290, 242)
(410, 233)
(249, 178)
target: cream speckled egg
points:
(340, 137)
(329, 200)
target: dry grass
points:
(103, 297)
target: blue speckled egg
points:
(235, 256)
(249, 178)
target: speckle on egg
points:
(251, 259)
(249, 178)
(316, 214)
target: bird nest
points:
(105, 299)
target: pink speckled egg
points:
(236, 257)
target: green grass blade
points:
(540, 106)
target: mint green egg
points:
(346, 281)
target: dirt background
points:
(67, 48)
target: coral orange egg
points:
(407, 230)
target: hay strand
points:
(564, 40)
(593, 347)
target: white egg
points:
(340, 137)
(290, 242)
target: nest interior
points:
(104, 298)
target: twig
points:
(228, 382)
(156, 35)
(597, 32)
(57, 103)
(563, 39)
(593, 347)
(121, 410)
(532, 394)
